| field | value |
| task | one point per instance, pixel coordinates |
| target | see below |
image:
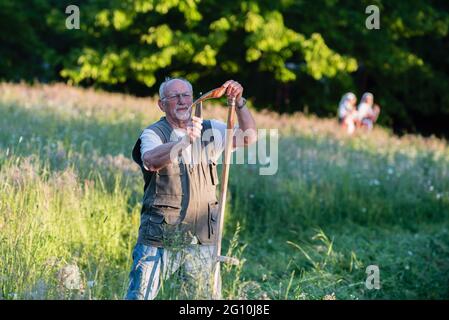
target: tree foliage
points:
(290, 55)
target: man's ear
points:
(161, 105)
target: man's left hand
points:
(233, 89)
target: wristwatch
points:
(240, 106)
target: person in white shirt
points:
(347, 113)
(367, 111)
(150, 140)
(180, 201)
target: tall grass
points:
(70, 200)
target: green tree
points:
(290, 55)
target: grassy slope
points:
(69, 194)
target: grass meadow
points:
(70, 204)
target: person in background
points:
(347, 113)
(367, 111)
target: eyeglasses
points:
(185, 95)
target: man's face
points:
(177, 101)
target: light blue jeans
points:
(152, 265)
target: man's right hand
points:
(194, 129)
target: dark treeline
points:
(290, 55)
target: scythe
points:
(217, 93)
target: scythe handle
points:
(199, 108)
(224, 189)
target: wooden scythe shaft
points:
(198, 108)
(217, 93)
(224, 189)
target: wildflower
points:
(264, 296)
(69, 277)
(302, 296)
(330, 296)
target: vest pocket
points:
(160, 221)
(213, 173)
(169, 180)
(166, 212)
(153, 221)
(169, 222)
(167, 202)
(172, 215)
(213, 218)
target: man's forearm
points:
(248, 127)
(161, 156)
(246, 120)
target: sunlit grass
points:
(70, 196)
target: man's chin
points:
(183, 115)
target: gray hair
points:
(347, 96)
(367, 95)
(167, 82)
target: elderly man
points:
(179, 209)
